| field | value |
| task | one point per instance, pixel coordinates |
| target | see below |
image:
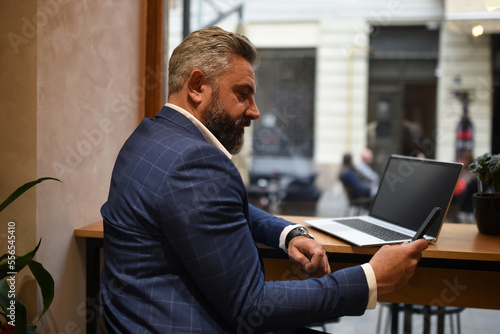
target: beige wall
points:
(18, 132)
(75, 92)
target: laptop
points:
(409, 190)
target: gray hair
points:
(209, 50)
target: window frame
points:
(154, 94)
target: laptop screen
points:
(411, 188)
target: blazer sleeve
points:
(205, 220)
(266, 228)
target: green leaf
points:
(20, 262)
(475, 167)
(487, 168)
(4, 292)
(4, 257)
(22, 189)
(495, 172)
(46, 283)
(21, 325)
(20, 313)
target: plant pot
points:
(487, 213)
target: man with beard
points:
(179, 234)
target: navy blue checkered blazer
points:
(179, 245)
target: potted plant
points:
(13, 310)
(487, 200)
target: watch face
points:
(305, 232)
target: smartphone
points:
(431, 218)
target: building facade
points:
(384, 71)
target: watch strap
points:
(299, 230)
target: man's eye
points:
(243, 96)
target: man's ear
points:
(198, 86)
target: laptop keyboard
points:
(372, 229)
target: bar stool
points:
(426, 311)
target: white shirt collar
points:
(210, 138)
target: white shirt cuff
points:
(372, 286)
(283, 235)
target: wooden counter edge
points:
(94, 230)
(333, 245)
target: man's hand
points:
(310, 255)
(395, 265)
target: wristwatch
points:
(300, 230)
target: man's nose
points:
(253, 111)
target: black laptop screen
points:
(411, 188)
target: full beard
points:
(227, 130)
